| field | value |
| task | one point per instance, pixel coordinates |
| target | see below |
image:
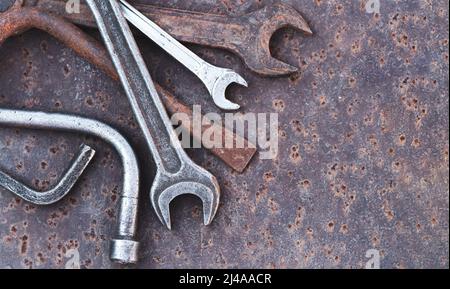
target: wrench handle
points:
(220, 31)
(177, 50)
(138, 85)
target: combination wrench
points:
(216, 79)
(176, 173)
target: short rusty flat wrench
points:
(248, 35)
(176, 173)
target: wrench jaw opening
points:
(272, 19)
(217, 80)
(168, 188)
(280, 16)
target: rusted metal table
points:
(363, 160)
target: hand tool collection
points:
(176, 174)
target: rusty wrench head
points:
(265, 23)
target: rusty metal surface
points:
(363, 160)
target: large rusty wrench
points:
(248, 35)
(176, 173)
(17, 19)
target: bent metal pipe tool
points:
(60, 190)
(124, 247)
(216, 79)
(176, 173)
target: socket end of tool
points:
(124, 251)
(220, 86)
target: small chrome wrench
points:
(216, 79)
(176, 173)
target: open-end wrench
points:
(216, 79)
(176, 173)
(248, 35)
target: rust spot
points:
(278, 105)
(344, 229)
(24, 245)
(44, 165)
(330, 227)
(401, 140)
(268, 177)
(295, 154)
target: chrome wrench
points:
(176, 173)
(216, 79)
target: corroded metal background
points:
(363, 160)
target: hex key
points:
(59, 191)
(124, 249)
